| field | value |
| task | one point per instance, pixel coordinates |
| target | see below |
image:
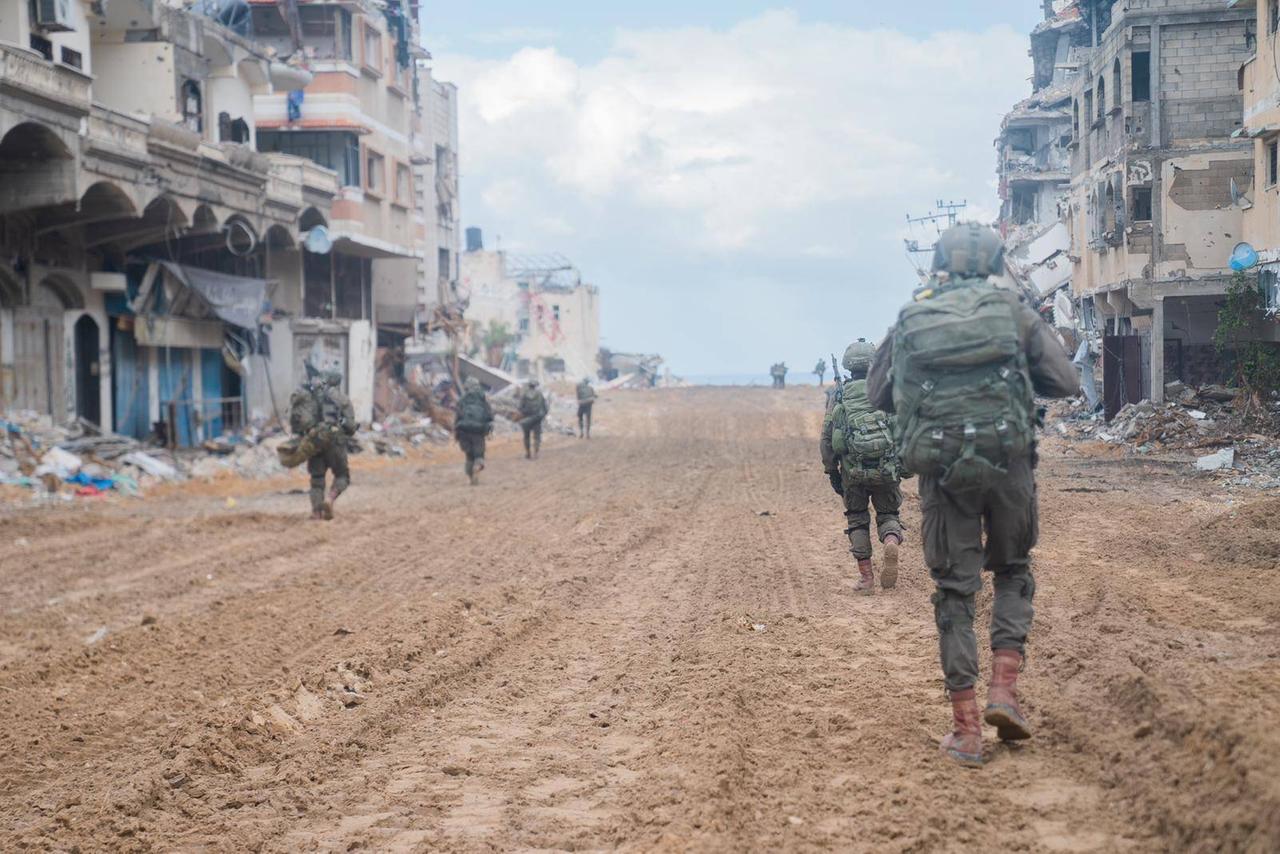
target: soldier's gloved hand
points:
(836, 483)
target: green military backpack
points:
(305, 411)
(862, 437)
(473, 414)
(961, 388)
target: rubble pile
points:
(1228, 436)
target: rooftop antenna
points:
(944, 215)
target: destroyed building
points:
(1033, 158)
(1157, 176)
(196, 198)
(531, 315)
(1261, 95)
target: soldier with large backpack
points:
(474, 422)
(533, 410)
(960, 370)
(322, 419)
(861, 459)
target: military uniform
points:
(533, 410)
(1002, 504)
(586, 401)
(820, 371)
(337, 424)
(860, 494)
(475, 423)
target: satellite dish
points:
(1238, 198)
(318, 241)
(1243, 257)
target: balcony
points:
(28, 75)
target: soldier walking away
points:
(820, 371)
(959, 370)
(472, 426)
(586, 400)
(322, 415)
(533, 409)
(779, 374)
(860, 457)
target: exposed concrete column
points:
(1155, 86)
(1157, 351)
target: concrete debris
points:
(1224, 459)
(1229, 434)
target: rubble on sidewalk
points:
(1227, 433)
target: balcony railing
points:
(29, 75)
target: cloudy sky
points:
(734, 176)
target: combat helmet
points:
(858, 356)
(472, 384)
(331, 378)
(969, 250)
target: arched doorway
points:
(88, 371)
(39, 354)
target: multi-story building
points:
(143, 240)
(374, 115)
(195, 202)
(1033, 157)
(530, 315)
(1261, 87)
(1157, 177)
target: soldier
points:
(321, 412)
(820, 371)
(474, 422)
(861, 459)
(959, 369)
(586, 400)
(533, 409)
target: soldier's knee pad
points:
(340, 484)
(952, 610)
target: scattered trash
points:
(96, 636)
(765, 513)
(148, 619)
(343, 630)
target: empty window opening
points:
(1117, 97)
(1022, 205)
(192, 106)
(1088, 106)
(1141, 204)
(1273, 16)
(1273, 162)
(1140, 76)
(1102, 98)
(1022, 140)
(42, 46)
(72, 58)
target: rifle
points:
(836, 395)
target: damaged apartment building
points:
(198, 199)
(1160, 178)
(530, 315)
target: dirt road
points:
(642, 641)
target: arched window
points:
(1117, 83)
(192, 106)
(1075, 119)
(1102, 98)
(1109, 211)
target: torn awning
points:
(238, 300)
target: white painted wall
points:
(361, 354)
(138, 77)
(226, 91)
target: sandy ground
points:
(571, 657)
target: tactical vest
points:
(961, 387)
(862, 437)
(473, 414)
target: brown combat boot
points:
(1002, 710)
(866, 578)
(964, 742)
(889, 574)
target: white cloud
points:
(516, 36)
(740, 128)
(799, 144)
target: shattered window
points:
(1273, 162)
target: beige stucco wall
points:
(138, 78)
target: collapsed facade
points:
(530, 315)
(1159, 180)
(1261, 126)
(196, 202)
